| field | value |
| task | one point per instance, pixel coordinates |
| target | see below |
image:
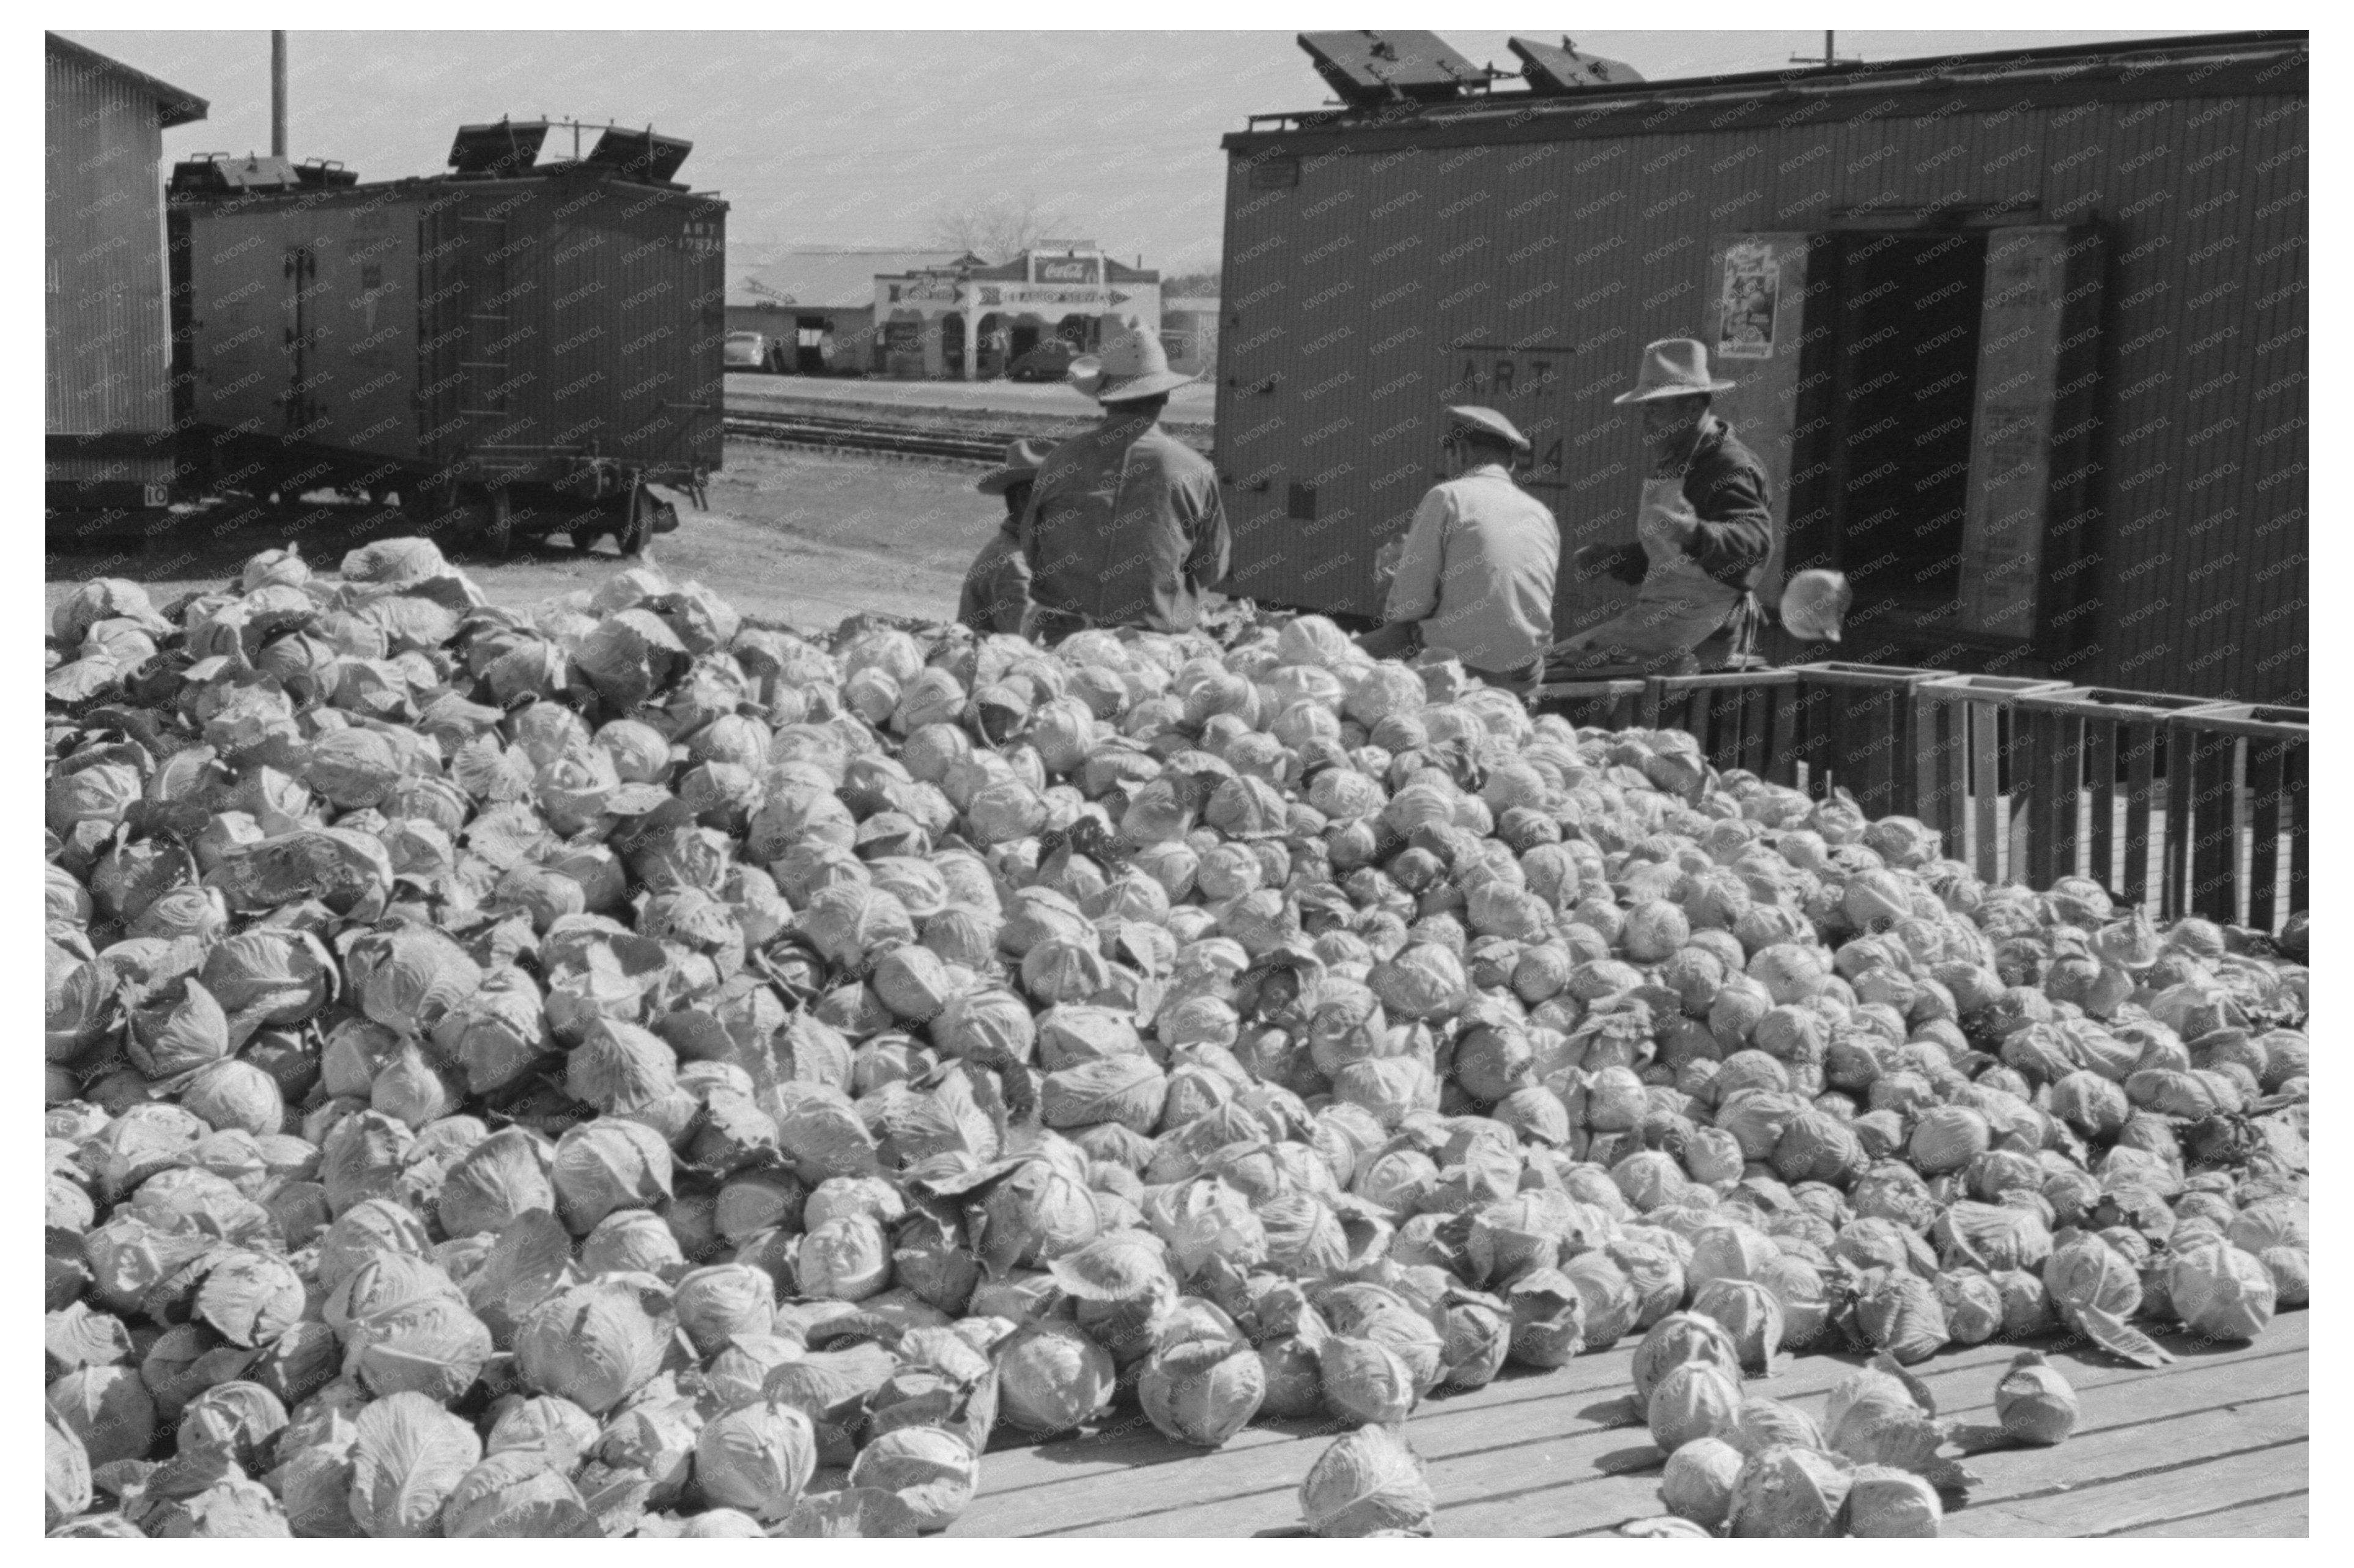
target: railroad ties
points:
(859, 435)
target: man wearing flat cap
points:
(1127, 526)
(1473, 579)
(1705, 533)
(997, 587)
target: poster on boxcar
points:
(1752, 290)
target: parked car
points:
(753, 351)
(1047, 362)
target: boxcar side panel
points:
(1353, 274)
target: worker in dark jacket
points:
(997, 585)
(1127, 526)
(1705, 535)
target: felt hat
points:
(1673, 368)
(1132, 365)
(1022, 460)
(1486, 422)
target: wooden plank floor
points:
(2214, 1444)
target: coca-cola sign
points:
(1081, 270)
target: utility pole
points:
(277, 94)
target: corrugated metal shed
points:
(1521, 250)
(107, 359)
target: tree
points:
(1193, 284)
(995, 229)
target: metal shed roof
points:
(174, 105)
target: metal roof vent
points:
(222, 172)
(640, 154)
(509, 147)
(1563, 70)
(1369, 67)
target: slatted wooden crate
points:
(2080, 739)
(1609, 705)
(1741, 719)
(1967, 777)
(2240, 777)
(1855, 730)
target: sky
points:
(860, 138)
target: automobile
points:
(1047, 362)
(752, 351)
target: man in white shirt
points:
(1473, 579)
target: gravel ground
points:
(802, 537)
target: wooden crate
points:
(2240, 780)
(2081, 738)
(1607, 705)
(1967, 764)
(1855, 733)
(1745, 718)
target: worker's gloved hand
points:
(1386, 559)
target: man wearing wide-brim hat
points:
(997, 587)
(1127, 526)
(1473, 578)
(1705, 535)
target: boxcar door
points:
(1755, 326)
(2028, 519)
(299, 401)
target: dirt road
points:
(806, 538)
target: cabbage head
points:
(1786, 1493)
(1051, 1377)
(593, 1344)
(2220, 1291)
(1369, 1482)
(1203, 1392)
(757, 1458)
(933, 1471)
(408, 1458)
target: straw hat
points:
(1024, 459)
(1673, 368)
(1486, 422)
(1132, 365)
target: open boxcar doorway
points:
(1897, 407)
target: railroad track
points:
(860, 435)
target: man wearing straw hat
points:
(1127, 528)
(997, 587)
(1705, 535)
(1473, 578)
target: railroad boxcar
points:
(511, 347)
(2019, 337)
(108, 406)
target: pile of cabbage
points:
(613, 1069)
